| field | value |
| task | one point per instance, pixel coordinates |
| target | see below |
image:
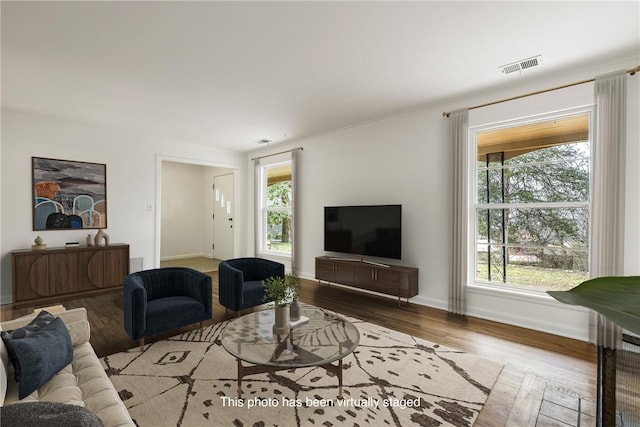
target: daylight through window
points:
(532, 204)
(277, 201)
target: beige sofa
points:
(83, 382)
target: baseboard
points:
(174, 257)
(430, 302)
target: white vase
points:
(281, 324)
(101, 238)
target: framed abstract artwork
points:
(68, 194)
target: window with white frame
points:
(531, 204)
(276, 209)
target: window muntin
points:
(532, 211)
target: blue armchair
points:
(240, 281)
(163, 299)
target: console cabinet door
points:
(325, 270)
(334, 271)
(116, 266)
(30, 276)
(91, 271)
(63, 273)
(345, 273)
(385, 281)
(377, 279)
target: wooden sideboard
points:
(390, 279)
(44, 276)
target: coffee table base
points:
(260, 369)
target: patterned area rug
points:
(391, 379)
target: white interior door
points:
(223, 216)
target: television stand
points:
(389, 279)
(378, 264)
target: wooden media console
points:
(395, 280)
(46, 276)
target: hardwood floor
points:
(534, 361)
(202, 264)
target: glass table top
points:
(325, 338)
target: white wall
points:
(407, 159)
(131, 180)
(182, 211)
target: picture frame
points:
(68, 194)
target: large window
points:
(277, 198)
(532, 203)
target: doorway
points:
(187, 218)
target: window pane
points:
(497, 267)
(278, 231)
(535, 268)
(555, 182)
(482, 228)
(279, 195)
(492, 178)
(494, 233)
(496, 230)
(558, 152)
(559, 227)
(548, 268)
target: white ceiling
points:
(228, 74)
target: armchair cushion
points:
(240, 281)
(163, 299)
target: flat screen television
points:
(364, 230)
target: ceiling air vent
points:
(521, 65)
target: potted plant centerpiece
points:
(281, 291)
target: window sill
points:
(514, 293)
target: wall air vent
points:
(521, 65)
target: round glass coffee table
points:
(325, 338)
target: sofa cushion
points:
(47, 414)
(38, 351)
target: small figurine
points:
(39, 243)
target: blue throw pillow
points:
(42, 319)
(38, 351)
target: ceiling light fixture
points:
(521, 65)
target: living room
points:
(399, 157)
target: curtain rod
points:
(281, 152)
(631, 72)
